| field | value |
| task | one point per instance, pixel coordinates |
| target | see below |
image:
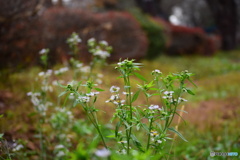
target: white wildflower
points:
(159, 141)
(91, 94)
(102, 54)
(103, 152)
(91, 40)
(85, 69)
(60, 154)
(17, 147)
(105, 43)
(114, 89)
(156, 71)
(123, 151)
(122, 142)
(60, 146)
(152, 107)
(74, 39)
(43, 51)
(79, 65)
(168, 92)
(40, 74)
(126, 93)
(181, 100)
(154, 133)
(84, 99)
(64, 69)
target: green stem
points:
(96, 125)
(149, 135)
(131, 114)
(175, 106)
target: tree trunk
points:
(226, 17)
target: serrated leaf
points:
(139, 76)
(99, 89)
(178, 133)
(135, 96)
(190, 92)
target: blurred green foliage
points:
(154, 32)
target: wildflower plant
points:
(73, 42)
(154, 119)
(141, 130)
(100, 52)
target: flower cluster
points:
(37, 102)
(86, 98)
(43, 51)
(45, 74)
(115, 98)
(74, 39)
(61, 70)
(103, 153)
(156, 72)
(99, 49)
(154, 107)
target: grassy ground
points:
(213, 114)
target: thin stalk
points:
(149, 135)
(175, 106)
(130, 109)
(42, 145)
(95, 123)
(178, 122)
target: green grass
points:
(213, 124)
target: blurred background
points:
(135, 28)
(202, 36)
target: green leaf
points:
(178, 133)
(1, 115)
(135, 96)
(154, 89)
(61, 85)
(136, 142)
(117, 128)
(139, 76)
(75, 103)
(65, 101)
(61, 94)
(150, 84)
(111, 136)
(95, 99)
(192, 82)
(99, 89)
(145, 127)
(1, 135)
(182, 110)
(190, 92)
